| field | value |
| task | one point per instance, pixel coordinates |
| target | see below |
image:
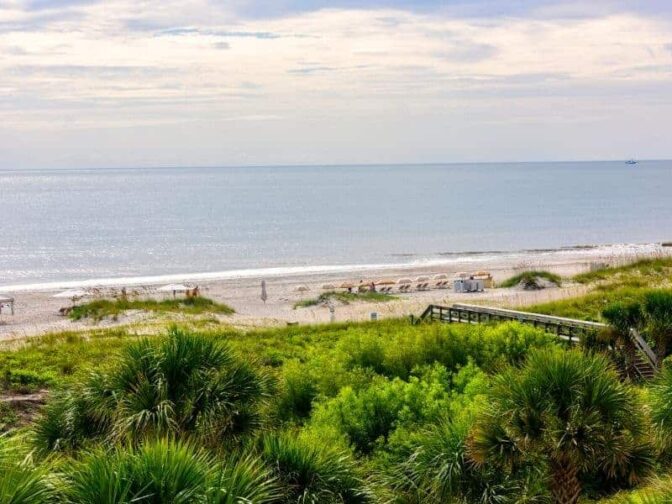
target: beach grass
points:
(345, 298)
(52, 360)
(646, 270)
(530, 278)
(104, 308)
(624, 284)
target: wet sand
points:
(36, 312)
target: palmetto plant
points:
(313, 474)
(157, 472)
(21, 482)
(439, 470)
(622, 318)
(569, 411)
(243, 479)
(658, 309)
(178, 384)
(661, 406)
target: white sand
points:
(37, 311)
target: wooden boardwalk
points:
(571, 330)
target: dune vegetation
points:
(345, 298)
(370, 412)
(625, 284)
(103, 308)
(532, 280)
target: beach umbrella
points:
(386, 281)
(461, 274)
(441, 276)
(302, 288)
(422, 279)
(329, 287)
(174, 288)
(404, 281)
(264, 295)
(346, 285)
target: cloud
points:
(469, 52)
(309, 70)
(369, 67)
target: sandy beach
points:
(36, 311)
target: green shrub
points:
(368, 417)
(297, 393)
(453, 346)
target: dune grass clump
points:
(345, 298)
(530, 280)
(179, 384)
(104, 308)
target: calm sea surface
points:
(83, 224)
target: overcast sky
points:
(204, 82)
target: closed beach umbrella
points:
(264, 295)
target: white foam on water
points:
(615, 251)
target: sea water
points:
(72, 225)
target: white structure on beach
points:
(7, 302)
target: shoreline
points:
(613, 253)
(36, 311)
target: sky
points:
(134, 83)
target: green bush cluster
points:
(361, 413)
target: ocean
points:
(74, 225)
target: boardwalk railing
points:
(571, 330)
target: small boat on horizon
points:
(631, 161)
